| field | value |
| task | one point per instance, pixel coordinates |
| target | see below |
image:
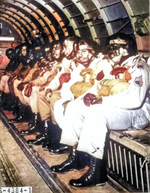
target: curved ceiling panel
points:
(14, 19)
(14, 25)
(56, 19)
(30, 11)
(53, 17)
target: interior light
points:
(7, 38)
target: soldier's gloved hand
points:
(89, 99)
(98, 101)
(28, 89)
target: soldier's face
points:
(118, 53)
(67, 47)
(83, 55)
(56, 51)
(24, 50)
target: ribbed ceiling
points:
(56, 19)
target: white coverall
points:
(130, 109)
(97, 65)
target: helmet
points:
(10, 53)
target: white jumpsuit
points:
(130, 109)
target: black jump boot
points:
(33, 126)
(3, 99)
(23, 113)
(8, 102)
(35, 120)
(76, 160)
(59, 150)
(1, 96)
(42, 138)
(96, 175)
(54, 135)
(46, 140)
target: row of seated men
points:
(58, 94)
